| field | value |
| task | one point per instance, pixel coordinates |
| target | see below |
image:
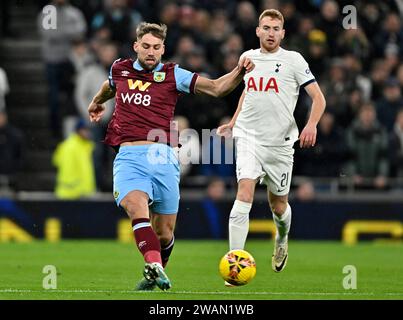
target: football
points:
(237, 267)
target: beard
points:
(148, 66)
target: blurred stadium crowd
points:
(359, 70)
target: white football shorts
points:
(272, 165)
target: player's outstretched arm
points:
(225, 129)
(224, 85)
(307, 137)
(97, 108)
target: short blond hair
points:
(157, 30)
(272, 13)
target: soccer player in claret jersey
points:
(265, 131)
(146, 170)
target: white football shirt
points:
(271, 93)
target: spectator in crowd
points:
(4, 89)
(187, 14)
(390, 38)
(11, 151)
(269, 4)
(195, 60)
(291, 16)
(391, 59)
(245, 24)
(305, 191)
(169, 14)
(329, 21)
(379, 75)
(211, 203)
(367, 143)
(390, 103)
(370, 17)
(317, 52)
(336, 87)
(73, 159)
(358, 79)
(330, 150)
(120, 19)
(300, 40)
(354, 41)
(81, 55)
(201, 24)
(233, 44)
(89, 80)
(99, 37)
(396, 147)
(220, 29)
(88, 8)
(355, 101)
(189, 152)
(186, 46)
(56, 48)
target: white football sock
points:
(239, 224)
(283, 224)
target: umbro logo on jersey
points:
(125, 73)
(278, 65)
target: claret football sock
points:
(166, 251)
(283, 224)
(239, 224)
(147, 241)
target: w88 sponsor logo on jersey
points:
(136, 98)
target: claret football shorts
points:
(272, 165)
(151, 168)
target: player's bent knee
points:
(278, 207)
(245, 195)
(164, 232)
(134, 209)
(164, 236)
(245, 192)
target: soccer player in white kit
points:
(265, 131)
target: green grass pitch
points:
(110, 270)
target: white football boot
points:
(280, 256)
